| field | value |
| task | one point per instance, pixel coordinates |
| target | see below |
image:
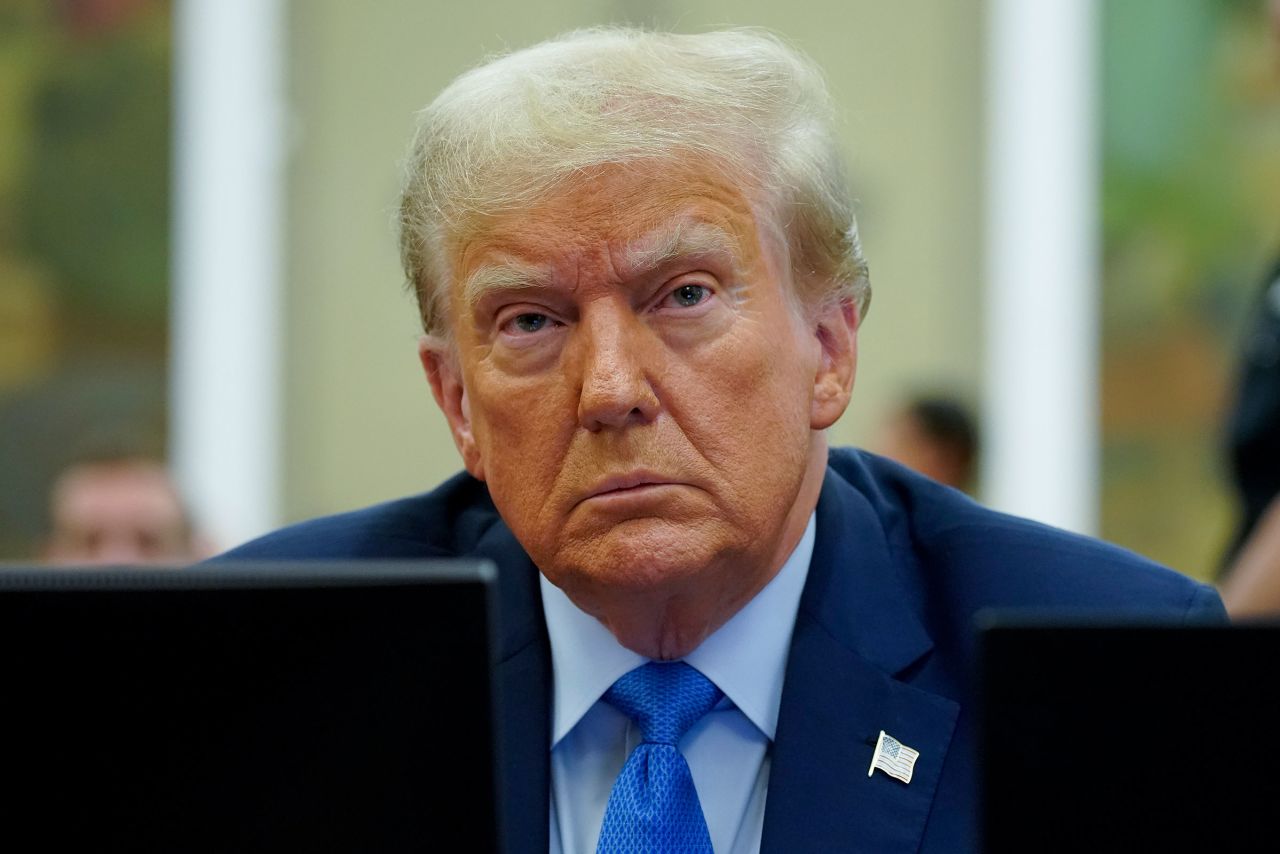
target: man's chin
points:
(640, 560)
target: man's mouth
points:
(629, 483)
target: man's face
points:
(639, 390)
(117, 513)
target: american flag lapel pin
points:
(893, 758)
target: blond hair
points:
(508, 132)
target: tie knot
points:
(665, 699)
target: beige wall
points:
(360, 423)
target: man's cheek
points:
(520, 464)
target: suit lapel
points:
(522, 685)
(855, 638)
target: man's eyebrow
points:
(679, 239)
(506, 275)
(668, 243)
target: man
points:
(641, 286)
(118, 508)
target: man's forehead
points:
(630, 252)
(108, 482)
(613, 203)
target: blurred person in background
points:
(119, 509)
(1251, 582)
(1251, 578)
(936, 436)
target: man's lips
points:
(625, 484)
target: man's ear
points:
(836, 328)
(440, 362)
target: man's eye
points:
(530, 322)
(687, 296)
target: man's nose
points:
(617, 361)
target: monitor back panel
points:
(250, 709)
(1137, 738)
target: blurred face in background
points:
(117, 512)
(935, 437)
(905, 440)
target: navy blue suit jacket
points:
(883, 640)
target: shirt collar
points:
(746, 657)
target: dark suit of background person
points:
(883, 640)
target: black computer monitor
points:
(247, 708)
(1130, 737)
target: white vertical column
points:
(225, 345)
(1041, 372)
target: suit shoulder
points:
(445, 522)
(993, 559)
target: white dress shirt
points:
(727, 751)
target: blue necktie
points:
(653, 808)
